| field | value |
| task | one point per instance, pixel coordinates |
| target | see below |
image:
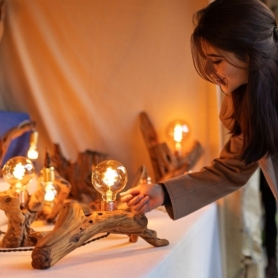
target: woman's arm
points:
(190, 192)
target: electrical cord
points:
(31, 249)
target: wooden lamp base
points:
(73, 229)
(19, 232)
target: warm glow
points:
(32, 153)
(178, 133)
(18, 188)
(110, 176)
(48, 178)
(180, 130)
(50, 192)
(109, 195)
(19, 171)
(178, 146)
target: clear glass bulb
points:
(48, 178)
(18, 172)
(50, 192)
(108, 178)
(18, 169)
(32, 152)
(178, 131)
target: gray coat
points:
(226, 174)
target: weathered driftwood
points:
(19, 233)
(165, 164)
(79, 174)
(170, 166)
(73, 228)
(11, 134)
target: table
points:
(194, 251)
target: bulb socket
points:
(108, 206)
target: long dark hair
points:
(247, 28)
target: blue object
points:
(20, 145)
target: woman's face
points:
(225, 69)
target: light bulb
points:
(18, 172)
(32, 152)
(178, 131)
(109, 177)
(47, 177)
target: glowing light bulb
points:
(47, 177)
(109, 177)
(178, 131)
(32, 152)
(18, 172)
(48, 180)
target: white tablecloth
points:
(194, 251)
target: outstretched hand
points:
(144, 197)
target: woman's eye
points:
(216, 62)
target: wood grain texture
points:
(73, 228)
(11, 134)
(19, 232)
(165, 164)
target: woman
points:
(235, 45)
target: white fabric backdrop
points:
(85, 69)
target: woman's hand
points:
(144, 197)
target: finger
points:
(133, 191)
(143, 205)
(145, 208)
(126, 198)
(135, 200)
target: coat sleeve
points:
(226, 174)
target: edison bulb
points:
(48, 178)
(18, 172)
(32, 152)
(178, 131)
(108, 178)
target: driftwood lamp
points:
(167, 164)
(18, 172)
(73, 228)
(20, 208)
